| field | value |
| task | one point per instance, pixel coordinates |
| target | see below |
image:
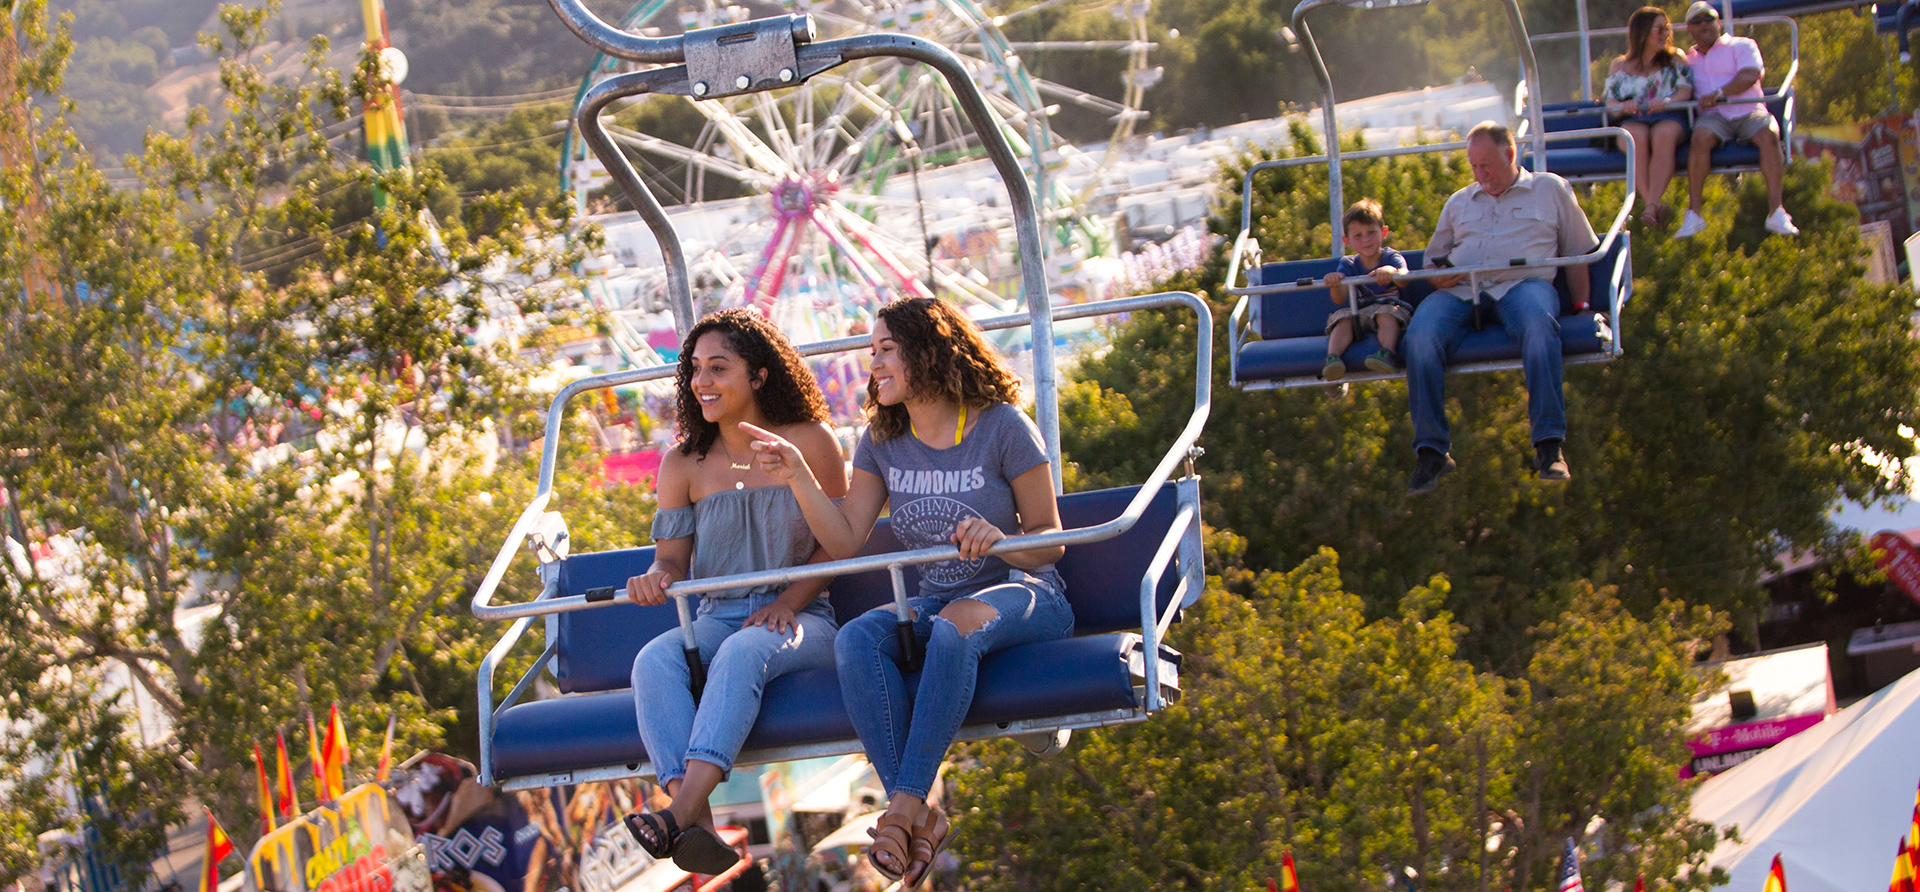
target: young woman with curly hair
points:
(719, 515)
(961, 465)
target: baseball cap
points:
(1700, 8)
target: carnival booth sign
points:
(359, 843)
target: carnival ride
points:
(1276, 332)
(1133, 555)
(863, 182)
(1601, 160)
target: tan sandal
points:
(892, 840)
(930, 835)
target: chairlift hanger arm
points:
(762, 68)
(1336, 199)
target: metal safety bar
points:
(1336, 201)
(484, 608)
(1185, 539)
(778, 53)
(1245, 250)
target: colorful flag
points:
(1902, 870)
(218, 847)
(1776, 878)
(266, 793)
(385, 770)
(1289, 881)
(1570, 870)
(319, 764)
(289, 797)
(334, 755)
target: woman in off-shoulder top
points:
(718, 515)
(1640, 84)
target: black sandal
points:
(702, 851)
(657, 826)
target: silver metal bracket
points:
(729, 60)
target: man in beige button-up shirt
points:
(1506, 214)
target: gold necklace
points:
(737, 484)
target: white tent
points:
(1833, 800)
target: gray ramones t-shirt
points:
(932, 490)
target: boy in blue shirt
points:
(1377, 305)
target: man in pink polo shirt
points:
(1727, 68)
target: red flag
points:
(1640, 883)
(218, 847)
(385, 770)
(289, 797)
(1902, 870)
(266, 793)
(1271, 887)
(1776, 878)
(1289, 881)
(334, 756)
(319, 764)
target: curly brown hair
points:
(946, 358)
(788, 396)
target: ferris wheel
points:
(866, 183)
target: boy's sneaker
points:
(1382, 361)
(1781, 222)
(1334, 368)
(1690, 225)
(1548, 462)
(1428, 467)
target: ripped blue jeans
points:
(906, 724)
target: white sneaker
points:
(1691, 225)
(1906, 58)
(1779, 221)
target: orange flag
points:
(289, 797)
(319, 764)
(218, 847)
(266, 793)
(1289, 882)
(385, 770)
(1776, 878)
(333, 754)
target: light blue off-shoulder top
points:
(740, 531)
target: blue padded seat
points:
(1601, 159)
(592, 725)
(1886, 16)
(1291, 324)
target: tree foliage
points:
(279, 490)
(1361, 746)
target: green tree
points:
(321, 461)
(1361, 746)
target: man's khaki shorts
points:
(1742, 129)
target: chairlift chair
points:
(1133, 555)
(1601, 160)
(1276, 332)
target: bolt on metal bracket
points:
(729, 60)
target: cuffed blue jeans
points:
(907, 725)
(1530, 312)
(740, 661)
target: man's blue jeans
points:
(740, 661)
(1530, 313)
(906, 730)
